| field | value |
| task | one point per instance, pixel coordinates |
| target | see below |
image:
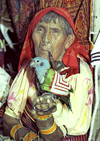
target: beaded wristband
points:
(14, 130)
(50, 130)
(43, 118)
(30, 136)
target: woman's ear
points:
(69, 40)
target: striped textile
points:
(76, 138)
(95, 53)
(59, 85)
(27, 118)
(56, 84)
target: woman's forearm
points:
(17, 131)
(48, 129)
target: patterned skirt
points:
(75, 138)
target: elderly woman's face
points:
(49, 37)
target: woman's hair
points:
(51, 15)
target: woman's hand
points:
(43, 105)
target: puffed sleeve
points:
(78, 120)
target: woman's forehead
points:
(58, 24)
(57, 21)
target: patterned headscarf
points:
(70, 57)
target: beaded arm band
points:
(28, 137)
(50, 130)
(43, 118)
(14, 130)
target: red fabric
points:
(70, 58)
(2, 110)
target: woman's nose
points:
(46, 40)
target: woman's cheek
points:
(36, 39)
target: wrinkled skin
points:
(49, 37)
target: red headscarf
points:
(70, 57)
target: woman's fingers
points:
(43, 105)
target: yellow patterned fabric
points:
(78, 120)
(21, 90)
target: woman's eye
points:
(55, 31)
(40, 29)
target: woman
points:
(52, 40)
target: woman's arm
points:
(45, 122)
(17, 131)
(49, 131)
